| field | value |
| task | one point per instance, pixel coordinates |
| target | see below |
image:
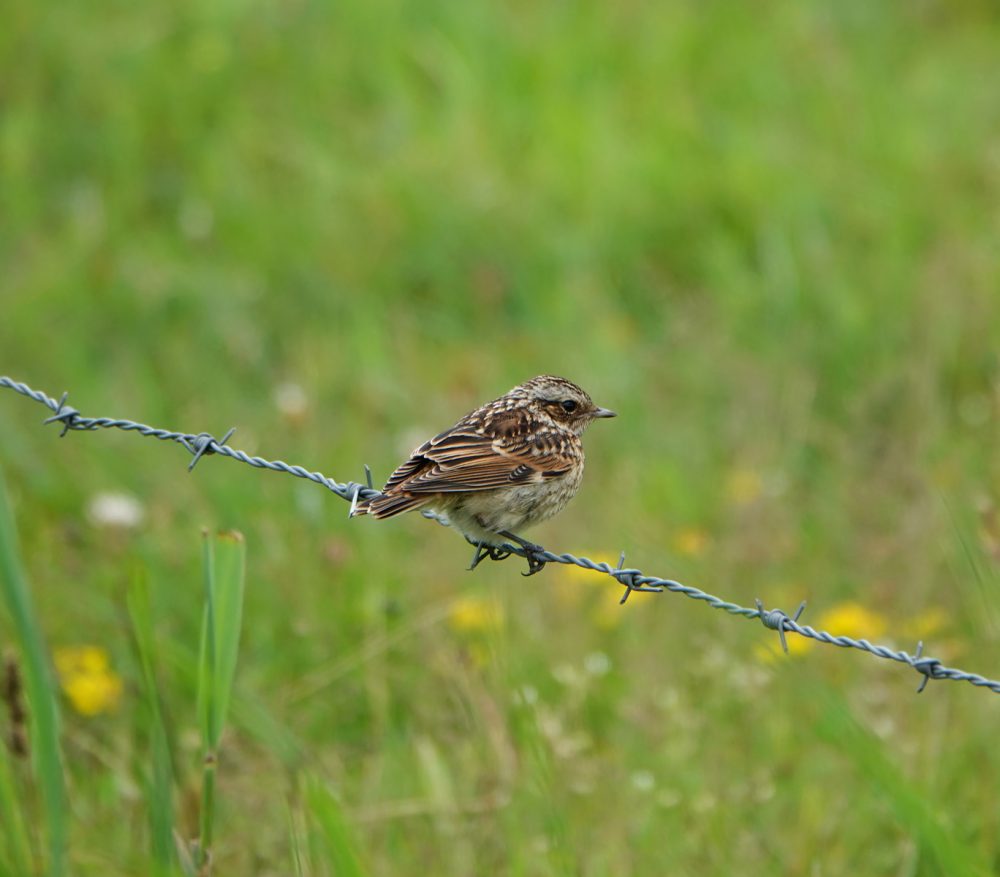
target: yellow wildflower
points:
(691, 541)
(853, 620)
(475, 615)
(87, 680)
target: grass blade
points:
(224, 570)
(159, 781)
(40, 688)
(224, 576)
(333, 830)
(15, 844)
(295, 844)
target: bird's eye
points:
(569, 405)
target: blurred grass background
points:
(766, 234)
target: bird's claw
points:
(532, 552)
(535, 564)
(491, 551)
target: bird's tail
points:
(386, 505)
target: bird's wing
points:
(463, 459)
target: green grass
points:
(157, 774)
(225, 562)
(765, 234)
(43, 718)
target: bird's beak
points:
(604, 412)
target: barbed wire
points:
(632, 580)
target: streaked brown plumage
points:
(510, 464)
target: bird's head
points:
(562, 401)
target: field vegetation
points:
(766, 234)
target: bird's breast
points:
(512, 508)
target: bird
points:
(510, 464)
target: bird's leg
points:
(532, 552)
(484, 550)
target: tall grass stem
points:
(224, 573)
(40, 689)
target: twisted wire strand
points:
(631, 579)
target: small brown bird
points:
(512, 463)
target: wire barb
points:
(775, 619)
(627, 580)
(633, 580)
(355, 491)
(203, 443)
(65, 414)
(928, 667)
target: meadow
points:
(767, 235)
